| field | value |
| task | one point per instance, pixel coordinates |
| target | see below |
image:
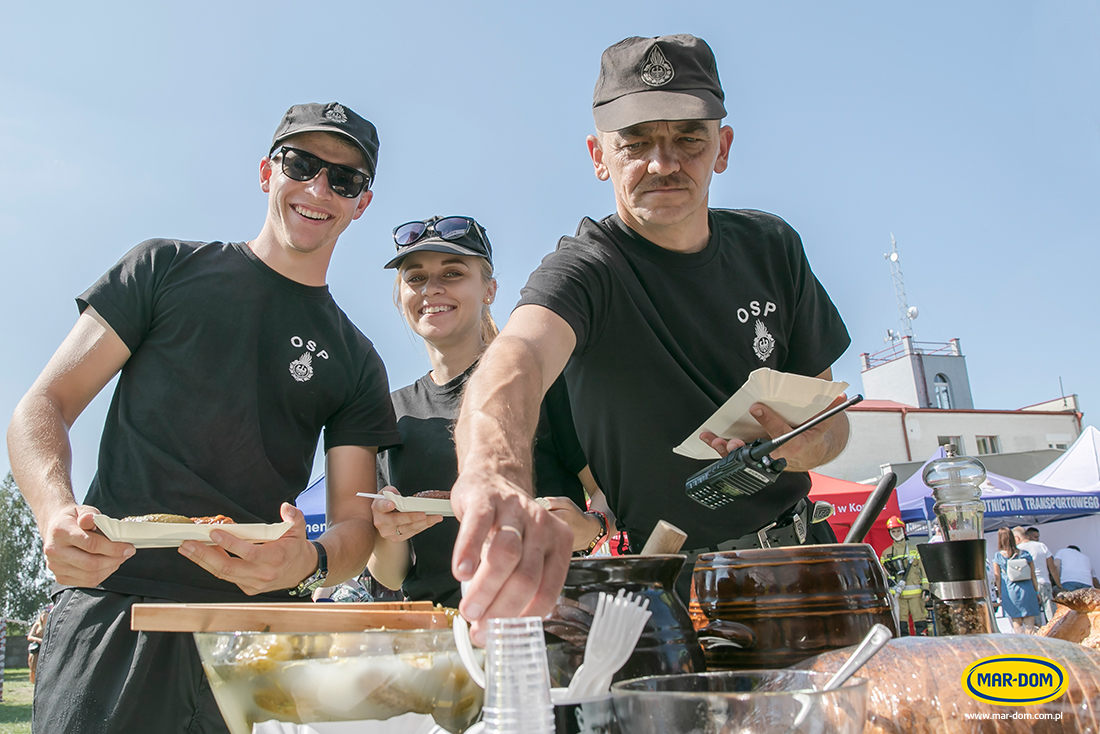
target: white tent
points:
(1078, 469)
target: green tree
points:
(24, 581)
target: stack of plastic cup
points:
(517, 678)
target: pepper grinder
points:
(961, 603)
(956, 486)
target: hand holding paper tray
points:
(794, 397)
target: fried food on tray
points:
(434, 494)
(180, 519)
(157, 517)
(213, 520)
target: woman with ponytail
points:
(444, 289)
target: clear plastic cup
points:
(517, 678)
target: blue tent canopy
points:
(312, 504)
(1008, 502)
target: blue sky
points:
(971, 131)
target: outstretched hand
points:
(258, 567)
(513, 553)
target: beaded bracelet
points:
(600, 535)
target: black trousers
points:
(97, 676)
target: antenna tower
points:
(906, 313)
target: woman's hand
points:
(585, 527)
(398, 527)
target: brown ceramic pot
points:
(668, 643)
(773, 607)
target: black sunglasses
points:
(302, 166)
(448, 228)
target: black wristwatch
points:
(316, 579)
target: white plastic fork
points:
(634, 618)
(616, 626)
(597, 631)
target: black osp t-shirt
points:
(663, 340)
(234, 370)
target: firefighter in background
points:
(910, 586)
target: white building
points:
(918, 398)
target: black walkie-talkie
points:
(747, 470)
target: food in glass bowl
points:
(345, 676)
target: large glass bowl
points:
(740, 702)
(343, 676)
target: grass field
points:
(15, 709)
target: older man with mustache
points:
(657, 314)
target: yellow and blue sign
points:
(1014, 680)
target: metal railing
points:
(899, 349)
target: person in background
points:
(444, 290)
(910, 585)
(231, 357)
(1045, 572)
(1074, 569)
(1017, 589)
(34, 641)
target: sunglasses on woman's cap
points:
(442, 235)
(302, 166)
(447, 228)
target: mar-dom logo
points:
(1014, 680)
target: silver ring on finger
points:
(512, 529)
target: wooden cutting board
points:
(319, 617)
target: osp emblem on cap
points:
(657, 71)
(336, 113)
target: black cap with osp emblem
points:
(330, 118)
(663, 78)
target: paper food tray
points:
(433, 506)
(794, 397)
(170, 535)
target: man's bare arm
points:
(349, 537)
(514, 553)
(1055, 581)
(41, 455)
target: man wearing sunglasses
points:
(657, 314)
(231, 358)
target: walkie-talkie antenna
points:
(759, 452)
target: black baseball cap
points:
(330, 118)
(663, 78)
